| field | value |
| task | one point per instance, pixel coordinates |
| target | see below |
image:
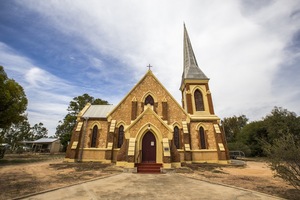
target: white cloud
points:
(48, 96)
(240, 46)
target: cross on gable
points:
(149, 66)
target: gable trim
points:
(149, 73)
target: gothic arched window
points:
(176, 137)
(202, 138)
(94, 136)
(149, 100)
(199, 100)
(120, 136)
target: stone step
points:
(148, 167)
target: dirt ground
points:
(22, 178)
(255, 175)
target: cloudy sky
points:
(58, 50)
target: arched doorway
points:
(149, 148)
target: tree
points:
(281, 122)
(284, 157)
(239, 146)
(65, 127)
(17, 132)
(233, 125)
(13, 101)
(39, 131)
(79, 102)
(252, 136)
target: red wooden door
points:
(149, 148)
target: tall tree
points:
(233, 125)
(17, 132)
(13, 101)
(255, 135)
(65, 127)
(252, 136)
(78, 103)
(281, 122)
(39, 131)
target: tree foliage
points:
(233, 126)
(17, 132)
(276, 136)
(13, 101)
(39, 131)
(22, 131)
(252, 136)
(65, 127)
(239, 146)
(284, 157)
(78, 103)
(281, 122)
(14, 125)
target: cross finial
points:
(149, 66)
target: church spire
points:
(191, 69)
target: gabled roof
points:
(98, 111)
(149, 73)
(191, 69)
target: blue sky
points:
(58, 50)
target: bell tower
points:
(196, 96)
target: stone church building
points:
(150, 126)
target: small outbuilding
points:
(45, 145)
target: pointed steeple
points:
(191, 69)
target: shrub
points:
(238, 146)
(284, 158)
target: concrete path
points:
(150, 186)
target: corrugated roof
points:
(98, 111)
(45, 140)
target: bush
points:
(284, 158)
(238, 146)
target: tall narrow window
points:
(202, 138)
(199, 100)
(176, 137)
(149, 100)
(120, 136)
(94, 136)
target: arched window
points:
(176, 137)
(94, 136)
(199, 100)
(120, 136)
(149, 100)
(202, 138)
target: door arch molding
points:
(139, 139)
